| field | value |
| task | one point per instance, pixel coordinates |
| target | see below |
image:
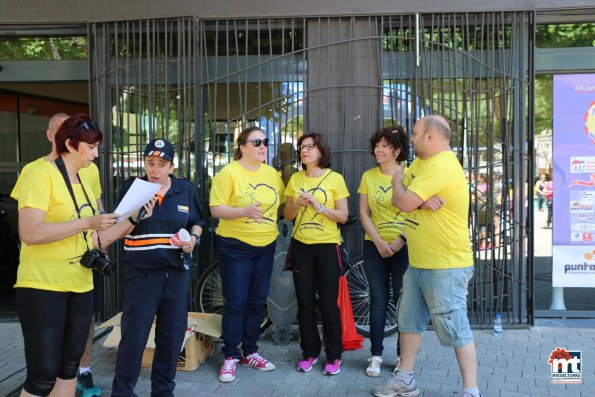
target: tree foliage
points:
(543, 102)
(43, 48)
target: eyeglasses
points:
(308, 148)
(257, 142)
(88, 126)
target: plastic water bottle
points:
(498, 325)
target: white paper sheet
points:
(138, 195)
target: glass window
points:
(43, 48)
(565, 35)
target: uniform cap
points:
(160, 148)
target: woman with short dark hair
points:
(385, 249)
(317, 200)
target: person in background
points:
(54, 289)
(90, 175)
(435, 194)
(385, 249)
(317, 199)
(538, 191)
(157, 278)
(548, 191)
(245, 196)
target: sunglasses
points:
(257, 142)
(308, 148)
(88, 126)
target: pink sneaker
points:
(305, 364)
(332, 367)
(227, 373)
(255, 360)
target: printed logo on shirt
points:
(263, 194)
(183, 208)
(382, 206)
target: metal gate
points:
(198, 82)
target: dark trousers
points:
(316, 267)
(55, 326)
(383, 274)
(245, 278)
(161, 293)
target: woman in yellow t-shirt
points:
(245, 196)
(317, 199)
(385, 252)
(54, 284)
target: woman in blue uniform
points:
(157, 279)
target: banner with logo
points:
(574, 181)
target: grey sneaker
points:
(395, 387)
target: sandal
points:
(373, 369)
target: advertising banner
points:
(574, 181)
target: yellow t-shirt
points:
(387, 219)
(439, 239)
(312, 227)
(237, 187)
(55, 266)
(89, 174)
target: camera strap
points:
(62, 168)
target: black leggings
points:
(55, 327)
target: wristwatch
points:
(321, 209)
(197, 237)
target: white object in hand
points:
(181, 236)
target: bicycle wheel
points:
(209, 292)
(359, 292)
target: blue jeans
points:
(245, 278)
(382, 274)
(439, 294)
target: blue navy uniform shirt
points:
(147, 247)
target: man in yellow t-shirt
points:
(90, 176)
(435, 194)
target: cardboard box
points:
(198, 341)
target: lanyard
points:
(62, 168)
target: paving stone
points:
(514, 365)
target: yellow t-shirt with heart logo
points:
(55, 266)
(310, 226)
(237, 187)
(387, 219)
(439, 239)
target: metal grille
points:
(199, 82)
(143, 86)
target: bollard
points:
(557, 299)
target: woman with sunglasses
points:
(245, 196)
(385, 252)
(317, 199)
(57, 226)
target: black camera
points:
(96, 260)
